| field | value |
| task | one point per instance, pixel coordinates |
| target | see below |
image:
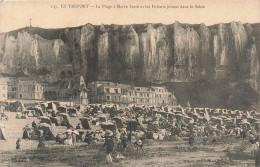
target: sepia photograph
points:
(130, 83)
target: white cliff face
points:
(130, 51)
(149, 47)
(224, 45)
(151, 52)
(148, 50)
(8, 60)
(35, 52)
(28, 53)
(206, 56)
(186, 46)
(86, 46)
(103, 54)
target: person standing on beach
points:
(18, 146)
(41, 140)
(191, 139)
(109, 144)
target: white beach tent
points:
(2, 132)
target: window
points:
(108, 97)
(3, 87)
(147, 94)
(13, 89)
(3, 95)
(116, 90)
(107, 90)
(21, 96)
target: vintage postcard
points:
(130, 83)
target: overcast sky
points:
(16, 14)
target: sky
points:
(16, 14)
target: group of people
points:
(140, 123)
(39, 133)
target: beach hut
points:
(132, 125)
(108, 126)
(119, 122)
(45, 119)
(2, 133)
(84, 122)
(47, 131)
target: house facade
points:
(29, 90)
(108, 92)
(3, 89)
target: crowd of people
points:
(119, 127)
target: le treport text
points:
(127, 6)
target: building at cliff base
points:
(3, 89)
(125, 95)
(29, 90)
(74, 90)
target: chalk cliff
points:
(154, 53)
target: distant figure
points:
(139, 145)
(78, 126)
(253, 139)
(18, 146)
(191, 139)
(74, 137)
(124, 141)
(59, 139)
(34, 124)
(41, 140)
(109, 144)
(88, 137)
(25, 134)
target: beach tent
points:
(52, 106)
(72, 111)
(119, 122)
(132, 125)
(70, 121)
(85, 124)
(38, 110)
(45, 119)
(108, 126)
(2, 133)
(16, 106)
(47, 131)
